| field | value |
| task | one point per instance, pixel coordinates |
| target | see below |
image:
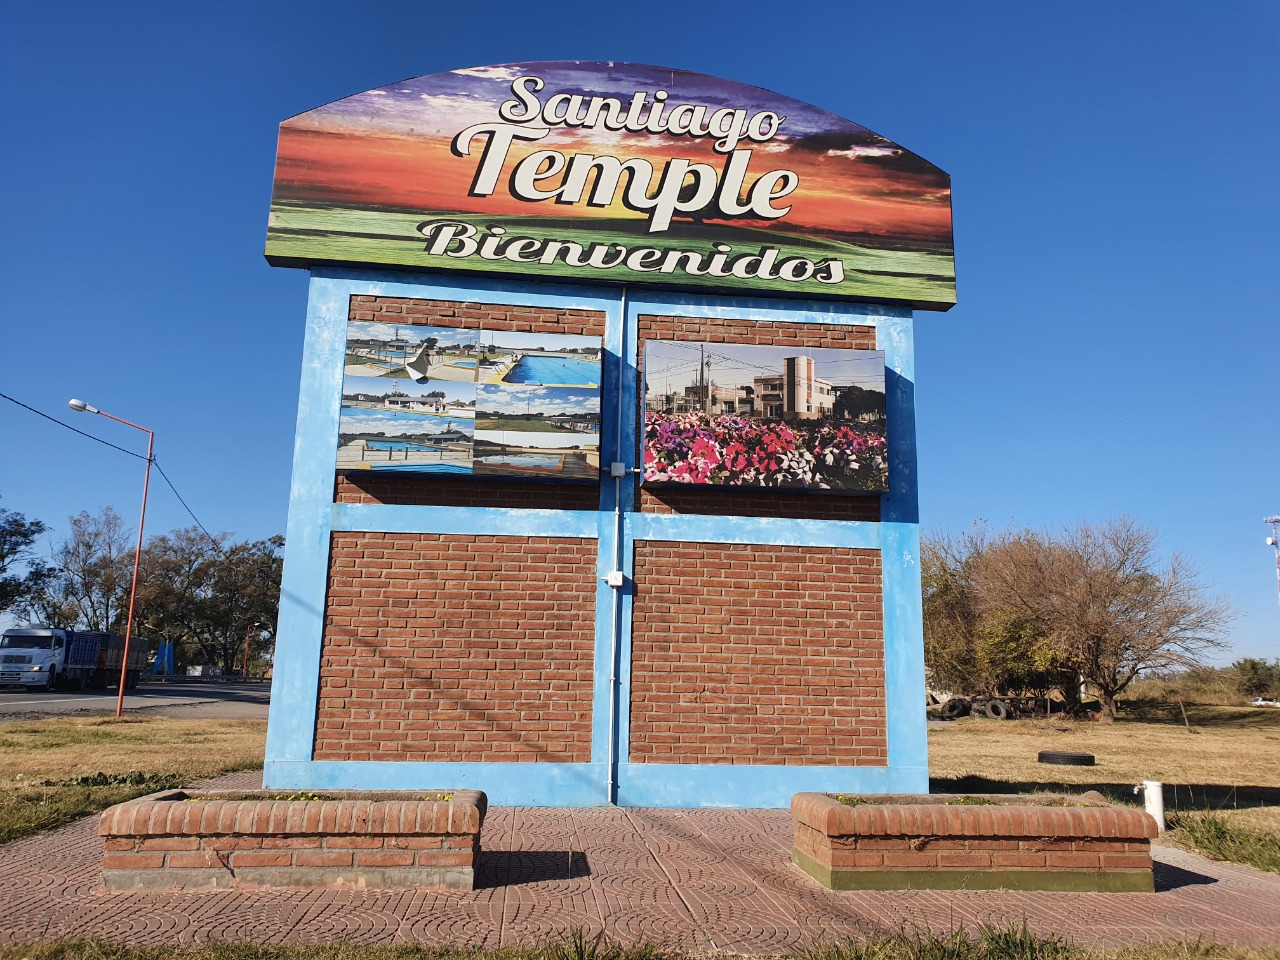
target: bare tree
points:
(1101, 598)
(94, 564)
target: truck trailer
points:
(49, 658)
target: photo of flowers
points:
(425, 399)
(795, 418)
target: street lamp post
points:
(81, 407)
(247, 633)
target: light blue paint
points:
(743, 785)
(900, 564)
(295, 674)
(618, 368)
(471, 521)
(313, 516)
(505, 784)
(695, 528)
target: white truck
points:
(48, 658)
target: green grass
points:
(1013, 942)
(1213, 835)
(54, 771)
(522, 424)
(302, 230)
(28, 811)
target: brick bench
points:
(208, 840)
(920, 842)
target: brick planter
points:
(919, 842)
(208, 840)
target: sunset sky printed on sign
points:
(390, 148)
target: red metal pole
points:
(246, 649)
(137, 559)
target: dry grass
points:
(1222, 775)
(1218, 752)
(41, 760)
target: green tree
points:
(971, 646)
(208, 595)
(1257, 678)
(23, 576)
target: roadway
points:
(177, 698)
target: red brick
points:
(325, 858)
(706, 674)
(132, 861)
(188, 861)
(431, 858)
(1088, 861)
(261, 858)
(169, 843)
(528, 700)
(384, 858)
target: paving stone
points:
(700, 879)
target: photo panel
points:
(431, 400)
(408, 399)
(543, 359)
(796, 418)
(530, 430)
(411, 352)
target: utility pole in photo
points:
(1273, 541)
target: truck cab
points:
(33, 657)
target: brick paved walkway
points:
(703, 879)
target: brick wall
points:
(457, 648)
(721, 501)
(757, 654)
(931, 842)
(355, 487)
(191, 840)
(487, 316)
(370, 486)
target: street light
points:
(81, 407)
(248, 631)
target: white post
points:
(1153, 797)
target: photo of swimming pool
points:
(427, 398)
(522, 460)
(398, 445)
(374, 421)
(554, 371)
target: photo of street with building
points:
(759, 416)
(393, 424)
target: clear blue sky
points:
(1116, 213)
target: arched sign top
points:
(612, 172)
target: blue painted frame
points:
(313, 517)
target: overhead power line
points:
(39, 413)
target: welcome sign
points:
(618, 173)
